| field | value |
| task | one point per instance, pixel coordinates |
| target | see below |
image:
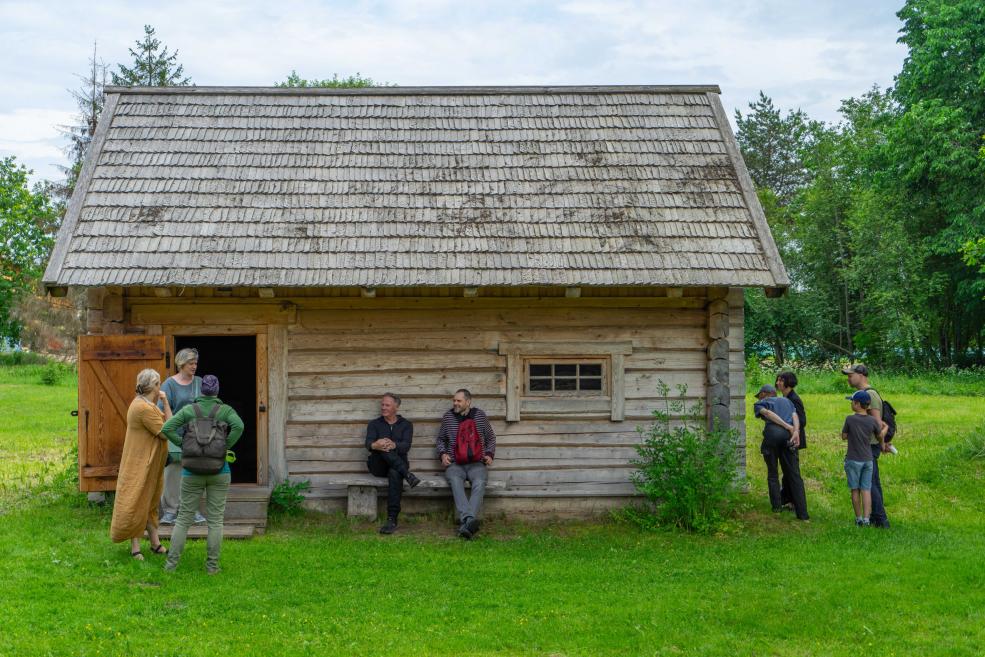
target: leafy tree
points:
(356, 81)
(27, 221)
(152, 65)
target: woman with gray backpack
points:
(210, 429)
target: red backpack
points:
(468, 444)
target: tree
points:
(152, 66)
(90, 99)
(27, 221)
(335, 82)
(773, 146)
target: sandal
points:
(137, 556)
(160, 549)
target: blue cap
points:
(862, 397)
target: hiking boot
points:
(389, 526)
(168, 519)
(412, 479)
(464, 529)
(472, 526)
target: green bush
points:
(287, 496)
(972, 447)
(52, 373)
(688, 474)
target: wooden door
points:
(108, 368)
(263, 449)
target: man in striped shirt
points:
(466, 446)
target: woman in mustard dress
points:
(141, 478)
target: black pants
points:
(394, 467)
(878, 517)
(785, 485)
(775, 452)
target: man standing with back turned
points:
(858, 378)
(466, 446)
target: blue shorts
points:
(859, 474)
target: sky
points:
(803, 54)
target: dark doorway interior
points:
(233, 360)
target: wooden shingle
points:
(457, 186)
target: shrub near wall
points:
(688, 474)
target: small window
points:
(567, 377)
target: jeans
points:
(878, 517)
(394, 467)
(475, 473)
(775, 450)
(216, 488)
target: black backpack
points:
(203, 448)
(888, 416)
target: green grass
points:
(813, 380)
(37, 434)
(324, 585)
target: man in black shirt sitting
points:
(388, 439)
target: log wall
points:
(331, 356)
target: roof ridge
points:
(422, 91)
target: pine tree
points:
(152, 65)
(89, 98)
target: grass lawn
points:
(323, 585)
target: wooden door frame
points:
(262, 382)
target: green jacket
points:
(187, 414)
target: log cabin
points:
(556, 250)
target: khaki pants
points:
(216, 488)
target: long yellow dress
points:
(141, 478)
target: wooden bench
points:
(363, 491)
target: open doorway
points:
(233, 360)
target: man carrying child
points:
(859, 429)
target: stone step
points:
(234, 531)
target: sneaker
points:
(858, 522)
(866, 523)
(213, 571)
(199, 518)
(168, 519)
(412, 479)
(389, 527)
(893, 450)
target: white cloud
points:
(809, 55)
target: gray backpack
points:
(203, 447)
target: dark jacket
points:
(798, 405)
(401, 432)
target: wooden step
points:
(234, 531)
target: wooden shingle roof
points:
(446, 186)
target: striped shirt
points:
(448, 434)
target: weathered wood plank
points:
(482, 319)
(211, 314)
(327, 362)
(692, 338)
(432, 466)
(422, 382)
(357, 453)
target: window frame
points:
(517, 394)
(602, 361)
